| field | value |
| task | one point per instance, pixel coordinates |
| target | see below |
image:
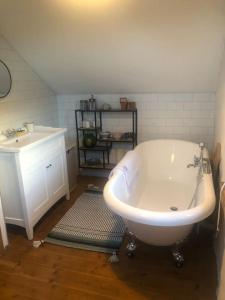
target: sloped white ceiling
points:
(118, 46)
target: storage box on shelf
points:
(103, 145)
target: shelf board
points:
(100, 166)
(90, 128)
(108, 110)
(111, 140)
(96, 148)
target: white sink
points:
(25, 139)
(30, 139)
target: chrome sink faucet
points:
(10, 132)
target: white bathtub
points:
(154, 178)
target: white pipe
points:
(219, 209)
(3, 227)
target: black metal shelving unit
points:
(103, 145)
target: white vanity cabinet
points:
(32, 180)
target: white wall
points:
(220, 116)
(220, 138)
(30, 99)
(114, 46)
(181, 116)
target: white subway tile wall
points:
(188, 116)
(29, 99)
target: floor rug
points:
(89, 224)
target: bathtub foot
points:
(131, 246)
(178, 256)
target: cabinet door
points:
(36, 192)
(56, 177)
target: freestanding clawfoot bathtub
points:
(161, 189)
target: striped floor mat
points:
(89, 224)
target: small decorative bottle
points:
(92, 103)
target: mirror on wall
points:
(5, 80)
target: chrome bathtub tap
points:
(206, 167)
(201, 162)
(196, 162)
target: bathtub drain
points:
(174, 208)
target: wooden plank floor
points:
(55, 272)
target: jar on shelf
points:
(92, 103)
(84, 105)
(123, 103)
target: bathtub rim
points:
(167, 140)
(170, 218)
